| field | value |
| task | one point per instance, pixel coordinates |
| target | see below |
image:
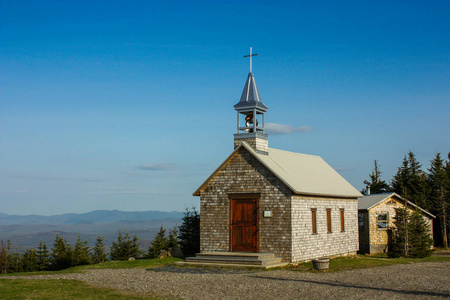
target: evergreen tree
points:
(62, 251)
(29, 261)
(172, 240)
(134, 248)
(43, 257)
(419, 238)
(98, 252)
(81, 253)
(398, 235)
(5, 256)
(15, 265)
(438, 182)
(410, 181)
(375, 184)
(125, 247)
(410, 236)
(189, 235)
(119, 250)
(159, 243)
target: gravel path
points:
(412, 281)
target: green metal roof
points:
(302, 173)
(369, 201)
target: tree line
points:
(429, 189)
(65, 255)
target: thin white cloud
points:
(121, 191)
(43, 177)
(275, 128)
(130, 173)
(158, 167)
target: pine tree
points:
(410, 236)
(125, 247)
(134, 247)
(159, 243)
(172, 240)
(400, 181)
(5, 256)
(29, 261)
(98, 252)
(189, 235)
(119, 249)
(438, 182)
(419, 238)
(81, 253)
(398, 235)
(410, 181)
(15, 265)
(375, 185)
(446, 208)
(61, 257)
(43, 257)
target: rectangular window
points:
(342, 220)
(314, 220)
(361, 220)
(329, 220)
(382, 221)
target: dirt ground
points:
(411, 281)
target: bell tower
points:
(250, 115)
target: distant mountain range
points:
(27, 231)
(96, 216)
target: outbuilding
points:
(376, 214)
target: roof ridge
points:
(296, 153)
(379, 194)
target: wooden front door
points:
(244, 225)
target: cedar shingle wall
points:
(244, 174)
(307, 245)
(379, 237)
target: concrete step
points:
(238, 255)
(240, 262)
(229, 265)
(231, 258)
(264, 260)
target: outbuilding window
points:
(342, 220)
(382, 221)
(361, 220)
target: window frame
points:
(361, 220)
(314, 220)
(342, 214)
(329, 224)
(381, 213)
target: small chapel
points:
(260, 201)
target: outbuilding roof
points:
(302, 173)
(369, 201)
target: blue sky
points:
(129, 104)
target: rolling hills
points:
(26, 231)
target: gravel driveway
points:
(412, 281)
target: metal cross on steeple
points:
(251, 58)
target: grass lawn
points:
(364, 262)
(54, 289)
(71, 289)
(116, 264)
